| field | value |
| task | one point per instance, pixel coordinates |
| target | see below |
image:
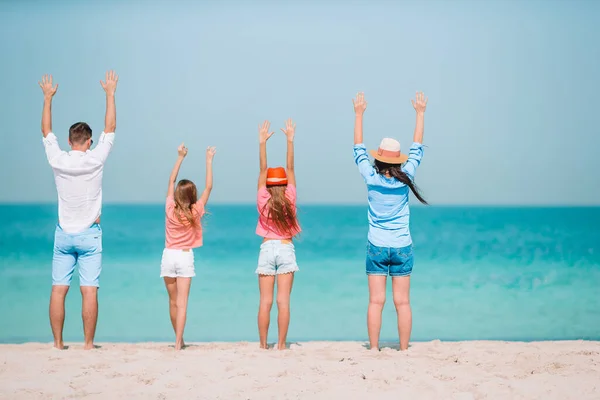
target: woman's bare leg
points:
(284, 289)
(265, 286)
(183, 292)
(376, 301)
(401, 291)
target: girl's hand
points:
(360, 104)
(290, 130)
(420, 103)
(263, 132)
(210, 153)
(182, 150)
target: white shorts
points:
(177, 264)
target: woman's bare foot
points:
(89, 346)
(180, 345)
(59, 345)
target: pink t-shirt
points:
(178, 235)
(265, 227)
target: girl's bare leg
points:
(376, 301)
(171, 285)
(183, 292)
(266, 285)
(401, 291)
(284, 289)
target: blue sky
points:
(513, 104)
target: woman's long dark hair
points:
(395, 171)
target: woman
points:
(389, 251)
(277, 225)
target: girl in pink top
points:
(277, 225)
(183, 233)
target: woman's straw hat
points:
(389, 152)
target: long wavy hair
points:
(186, 195)
(281, 212)
(395, 171)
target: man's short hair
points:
(79, 133)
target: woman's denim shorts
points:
(389, 261)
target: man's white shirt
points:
(78, 177)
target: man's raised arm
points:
(49, 92)
(110, 87)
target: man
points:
(78, 237)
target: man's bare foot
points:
(264, 346)
(59, 345)
(281, 347)
(89, 346)
(374, 349)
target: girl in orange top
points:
(183, 233)
(277, 225)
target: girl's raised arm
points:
(210, 154)
(263, 136)
(360, 105)
(182, 152)
(290, 130)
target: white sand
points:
(314, 370)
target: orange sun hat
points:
(276, 176)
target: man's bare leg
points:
(57, 313)
(89, 314)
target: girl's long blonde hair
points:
(186, 195)
(281, 212)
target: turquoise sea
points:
(480, 273)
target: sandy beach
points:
(313, 370)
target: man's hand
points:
(420, 103)
(47, 88)
(263, 132)
(182, 150)
(360, 104)
(210, 153)
(290, 129)
(110, 86)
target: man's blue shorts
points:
(83, 249)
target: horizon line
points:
(330, 204)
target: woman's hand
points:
(263, 132)
(420, 103)
(182, 150)
(360, 104)
(290, 130)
